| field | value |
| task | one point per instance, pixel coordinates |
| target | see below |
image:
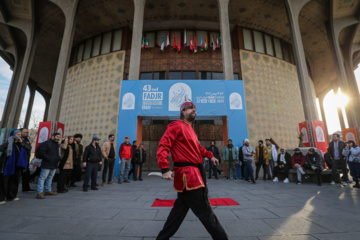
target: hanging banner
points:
(319, 135)
(303, 128)
(350, 134)
(60, 128)
(43, 133)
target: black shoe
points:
(73, 186)
(62, 191)
(253, 182)
(235, 179)
(216, 177)
(135, 179)
(119, 181)
(95, 188)
(29, 190)
(227, 179)
(219, 172)
(319, 184)
(269, 178)
(298, 183)
(210, 177)
(140, 179)
(85, 189)
(357, 185)
(126, 181)
(256, 178)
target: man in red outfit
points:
(189, 175)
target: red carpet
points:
(213, 201)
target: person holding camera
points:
(352, 153)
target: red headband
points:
(187, 104)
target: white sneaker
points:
(286, 180)
(344, 184)
(15, 199)
(2, 202)
(332, 183)
(275, 179)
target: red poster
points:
(319, 135)
(305, 131)
(44, 132)
(350, 134)
(60, 128)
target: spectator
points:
(352, 153)
(248, 155)
(272, 157)
(215, 151)
(66, 164)
(109, 154)
(25, 177)
(91, 161)
(230, 156)
(298, 162)
(283, 163)
(338, 160)
(313, 163)
(125, 153)
(12, 162)
(48, 151)
(261, 159)
(134, 146)
(77, 170)
(327, 158)
(140, 159)
(241, 161)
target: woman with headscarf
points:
(12, 162)
(66, 164)
(352, 153)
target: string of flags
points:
(177, 45)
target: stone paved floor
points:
(267, 210)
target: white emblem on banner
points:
(43, 134)
(177, 94)
(61, 132)
(305, 135)
(235, 101)
(128, 101)
(320, 136)
(350, 137)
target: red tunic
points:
(181, 140)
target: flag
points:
(220, 40)
(185, 38)
(156, 44)
(201, 44)
(213, 43)
(142, 42)
(206, 42)
(168, 39)
(179, 44)
(174, 42)
(162, 43)
(146, 42)
(217, 41)
(195, 44)
(191, 43)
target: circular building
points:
(78, 53)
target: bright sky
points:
(39, 104)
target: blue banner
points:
(163, 98)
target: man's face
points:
(78, 139)
(127, 140)
(112, 138)
(190, 113)
(25, 133)
(97, 142)
(311, 153)
(229, 142)
(268, 142)
(282, 150)
(297, 152)
(141, 146)
(212, 143)
(247, 144)
(56, 138)
(350, 144)
(260, 143)
(335, 138)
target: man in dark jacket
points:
(313, 163)
(76, 173)
(132, 171)
(283, 163)
(139, 160)
(338, 160)
(49, 152)
(91, 160)
(26, 173)
(215, 152)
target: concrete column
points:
(293, 8)
(134, 68)
(69, 8)
(322, 111)
(47, 105)
(32, 88)
(226, 49)
(340, 113)
(353, 91)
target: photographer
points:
(352, 153)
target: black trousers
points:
(198, 202)
(90, 172)
(136, 167)
(109, 163)
(265, 169)
(317, 171)
(285, 168)
(214, 168)
(76, 174)
(9, 185)
(35, 174)
(63, 179)
(132, 169)
(339, 164)
(25, 179)
(242, 169)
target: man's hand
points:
(100, 163)
(297, 165)
(84, 164)
(168, 175)
(313, 168)
(214, 161)
(281, 166)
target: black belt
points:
(186, 164)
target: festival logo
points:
(305, 135)
(61, 132)
(128, 101)
(320, 136)
(350, 137)
(177, 94)
(235, 101)
(43, 135)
